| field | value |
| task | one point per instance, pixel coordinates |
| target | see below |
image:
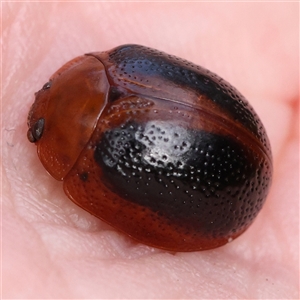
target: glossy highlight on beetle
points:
(161, 149)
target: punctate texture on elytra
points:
(161, 149)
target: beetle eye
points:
(35, 133)
(47, 85)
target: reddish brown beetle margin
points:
(163, 150)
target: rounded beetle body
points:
(161, 149)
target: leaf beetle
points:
(159, 148)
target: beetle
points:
(161, 149)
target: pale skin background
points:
(53, 249)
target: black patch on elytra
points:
(132, 60)
(202, 179)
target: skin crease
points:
(53, 249)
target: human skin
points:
(53, 249)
